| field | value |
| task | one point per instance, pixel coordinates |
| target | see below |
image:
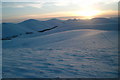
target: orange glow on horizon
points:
(88, 14)
(75, 14)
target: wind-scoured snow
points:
(81, 53)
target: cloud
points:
(40, 3)
(21, 5)
(36, 5)
(29, 0)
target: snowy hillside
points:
(53, 48)
(80, 53)
(34, 24)
(11, 30)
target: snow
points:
(35, 25)
(32, 25)
(74, 49)
(79, 53)
(10, 29)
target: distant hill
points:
(32, 25)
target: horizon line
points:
(59, 18)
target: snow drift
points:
(83, 53)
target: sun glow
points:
(88, 14)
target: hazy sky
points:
(16, 10)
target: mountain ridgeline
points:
(31, 26)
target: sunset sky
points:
(18, 10)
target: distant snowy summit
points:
(32, 25)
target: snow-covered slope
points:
(83, 53)
(10, 29)
(32, 25)
(54, 22)
(50, 38)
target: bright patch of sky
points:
(23, 9)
